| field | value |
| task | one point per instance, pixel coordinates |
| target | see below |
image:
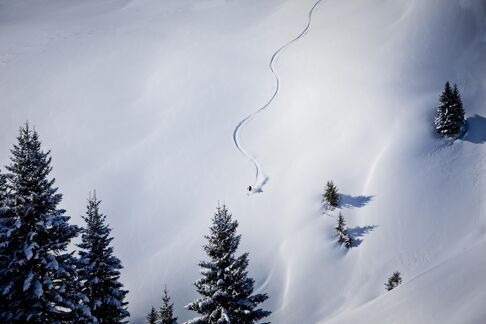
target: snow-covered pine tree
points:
(152, 316)
(166, 313)
(37, 277)
(441, 122)
(340, 228)
(342, 232)
(331, 195)
(393, 281)
(449, 117)
(6, 224)
(226, 290)
(5, 221)
(459, 120)
(99, 269)
(3, 189)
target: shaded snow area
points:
(139, 99)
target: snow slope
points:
(139, 99)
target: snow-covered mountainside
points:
(139, 99)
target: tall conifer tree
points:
(342, 233)
(37, 277)
(226, 290)
(99, 269)
(331, 195)
(166, 312)
(6, 224)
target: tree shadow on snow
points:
(475, 130)
(358, 232)
(348, 201)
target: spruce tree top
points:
(36, 198)
(226, 290)
(166, 312)
(96, 236)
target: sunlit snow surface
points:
(139, 99)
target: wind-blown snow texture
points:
(139, 99)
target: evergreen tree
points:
(152, 317)
(3, 191)
(166, 312)
(226, 290)
(393, 281)
(449, 117)
(6, 223)
(342, 233)
(458, 108)
(37, 275)
(340, 228)
(331, 195)
(99, 269)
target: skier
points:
(249, 188)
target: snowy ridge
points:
(260, 178)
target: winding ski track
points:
(260, 178)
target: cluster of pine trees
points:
(226, 291)
(165, 315)
(331, 201)
(449, 117)
(393, 281)
(40, 280)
